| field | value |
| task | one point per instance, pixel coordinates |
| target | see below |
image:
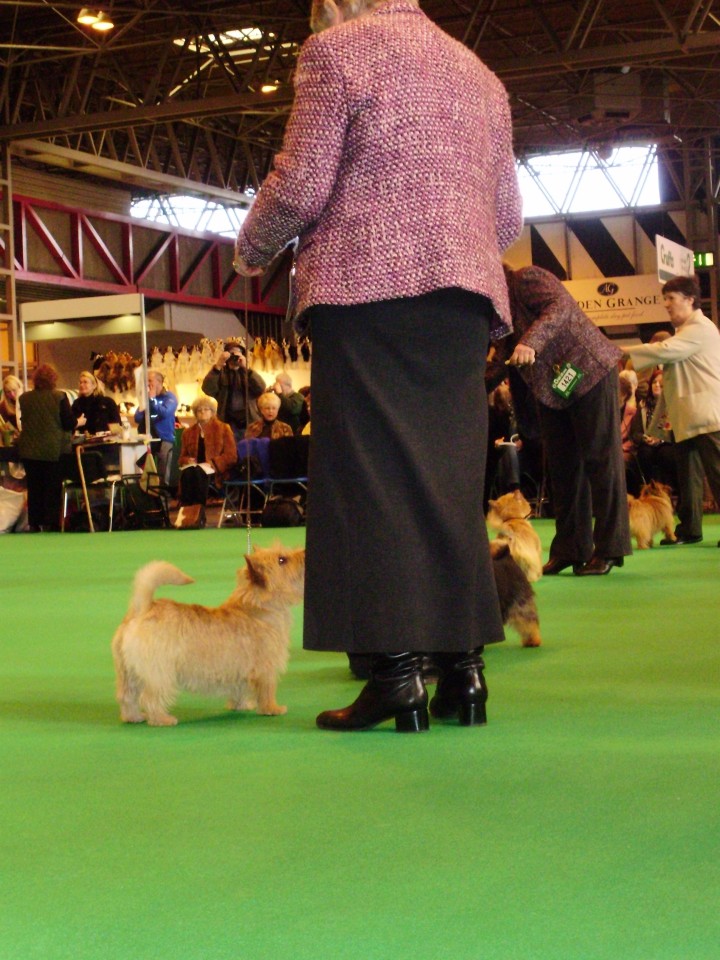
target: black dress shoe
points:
(599, 566)
(395, 691)
(555, 565)
(667, 542)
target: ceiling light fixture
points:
(97, 19)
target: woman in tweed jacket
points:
(397, 176)
(581, 432)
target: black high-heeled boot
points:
(395, 691)
(461, 690)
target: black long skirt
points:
(397, 548)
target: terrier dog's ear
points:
(517, 494)
(256, 573)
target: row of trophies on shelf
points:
(117, 370)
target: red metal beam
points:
(210, 263)
(102, 251)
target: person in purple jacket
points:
(397, 177)
(579, 419)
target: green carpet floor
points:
(580, 824)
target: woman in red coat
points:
(208, 449)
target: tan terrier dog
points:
(650, 514)
(238, 649)
(517, 597)
(508, 515)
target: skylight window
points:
(227, 39)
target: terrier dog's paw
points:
(132, 716)
(274, 710)
(534, 641)
(241, 704)
(162, 721)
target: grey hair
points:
(326, 13)
(203, 401)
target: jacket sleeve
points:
(659, 417)
(256, 384)
(228, 453)
(683, 345)
(164, 407)
(294, 194)
(112, 411)
(508, 199)
(545, 297)
(67, 417)
(211, 383)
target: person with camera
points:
(235, 388)
(292, 403)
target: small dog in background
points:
(510, 506)
(238, 649)
(517, 598)
(651, 513)
(508, 515)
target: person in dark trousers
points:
(402, 286)
(579, 418)
(690, 400)
(47, 421)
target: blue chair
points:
(246, 492)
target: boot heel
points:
(413, 722)
(472, 714)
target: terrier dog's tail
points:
(148, 579)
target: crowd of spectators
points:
(43, 422)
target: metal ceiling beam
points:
(140, 116)
(625, 53)
(605, 56)
(124, 172)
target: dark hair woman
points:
(47, 421)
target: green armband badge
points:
(566, 379)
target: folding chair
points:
(88, 473)
(245, 493)
(288, 462)
(145, 507)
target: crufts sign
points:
(673, 260)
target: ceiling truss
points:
(175, 90)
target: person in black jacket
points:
(234, 387)
(93, 411)
(46, 420)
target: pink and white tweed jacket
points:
(396, 173)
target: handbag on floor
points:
(190, 517)
(282, 512)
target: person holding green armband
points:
(569, 370)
